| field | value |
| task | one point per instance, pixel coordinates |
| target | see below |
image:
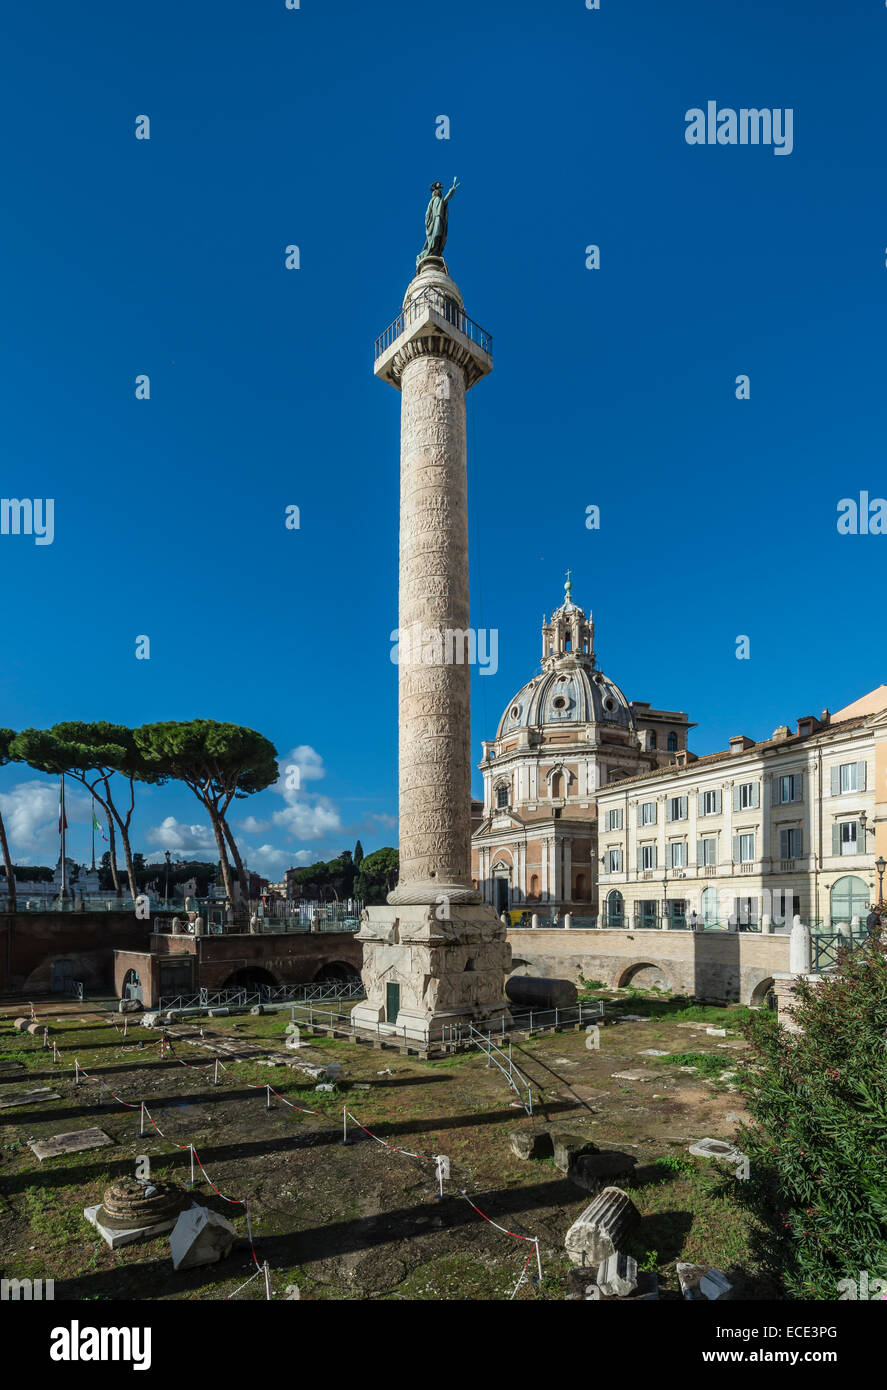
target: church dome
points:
(570, 689)
(569, 693)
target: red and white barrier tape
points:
(406, 1152)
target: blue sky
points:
(614, 387)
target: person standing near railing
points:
(873, 923)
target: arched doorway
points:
(337, 972)
(615, 909)
(849, 898)
(501, 883)
(132, 986)
(579, 890)
(249, 977)
(710, 906)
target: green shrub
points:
(818, 1098)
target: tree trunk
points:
(112, 853)
(10, 876)
(238, 864)
(223, 853)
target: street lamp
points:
(881, 865)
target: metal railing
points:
(515, 1078)
(826, 944)
(244, 997)
(443, 305)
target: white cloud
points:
(31, 816)
(310, 768)
(253, 826)
(311, 821)
(173, 835)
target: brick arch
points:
(637, 974)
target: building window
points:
(676, 808)
(747, 798)
(614, 861)
(557, 785)
(848, 836)
(744, 849)
(848, 777)
(677, 855)
(790, 842)
(568, 642)
(652, 738)
(647, 913)
(710, 802)
(502, 796)
(615, 909)
(672, 744)
(613, 819)
(647, 857)
(790, 788)
(534, 885)
(707, 852)
(647, 813)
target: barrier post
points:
(45, 1036)
(141, 1117)
(191, 1155)
(267, 1097)
(55, 1050)
(125, 1021)
(216, 1072)
(538, 1260)
(76, 1072)
(344, 1124)
(267, 1280)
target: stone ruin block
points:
(531, 1143)
(592, 1171)
(200, 1237)
(568, 1147)
(617, 1275)
(602, 1228)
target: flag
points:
(97, 826)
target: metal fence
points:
(448, 309)
(245, 996)
(826, 944)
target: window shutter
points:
(700, 853)
(783, 845)
(755, 793)
(700, 808)
(640, 858)
(799, 783)
(860, 838)
(799, 842)
(860, 777)
(640, 813)
(737, 852)
(718, 803)
(836, 836)
(683, 807)
(836, 780)
(619, 861)
(655, 863)
(775, 789)
(736, 797)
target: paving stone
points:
(716, 1032)
(632, 1076)
(653, 1052)
(12, 1066)
(77, 1141)
(28, 1097)
(715, 1285)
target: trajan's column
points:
(436, 954)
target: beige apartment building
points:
(753, 835)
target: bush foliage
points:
(818, 1144)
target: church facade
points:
(566, 735)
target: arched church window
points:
(557, 785)
(653, 739)
(568, 641)
(672, 743)
(502, 796)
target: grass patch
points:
(706, 1063)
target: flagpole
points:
(93, 835)
(62, 831)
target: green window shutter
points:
(640, 813)
(860, 838)
(860, 777)
(718, 802)
(640, 858)
(684, 810)
(700, 852)
(836, 836)
(783, 845)
(736, 797)
(799, 786)
(775, 789)
(755, 794)
(799, 842)
(737, 852)
(700, 807)
(836, 780)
